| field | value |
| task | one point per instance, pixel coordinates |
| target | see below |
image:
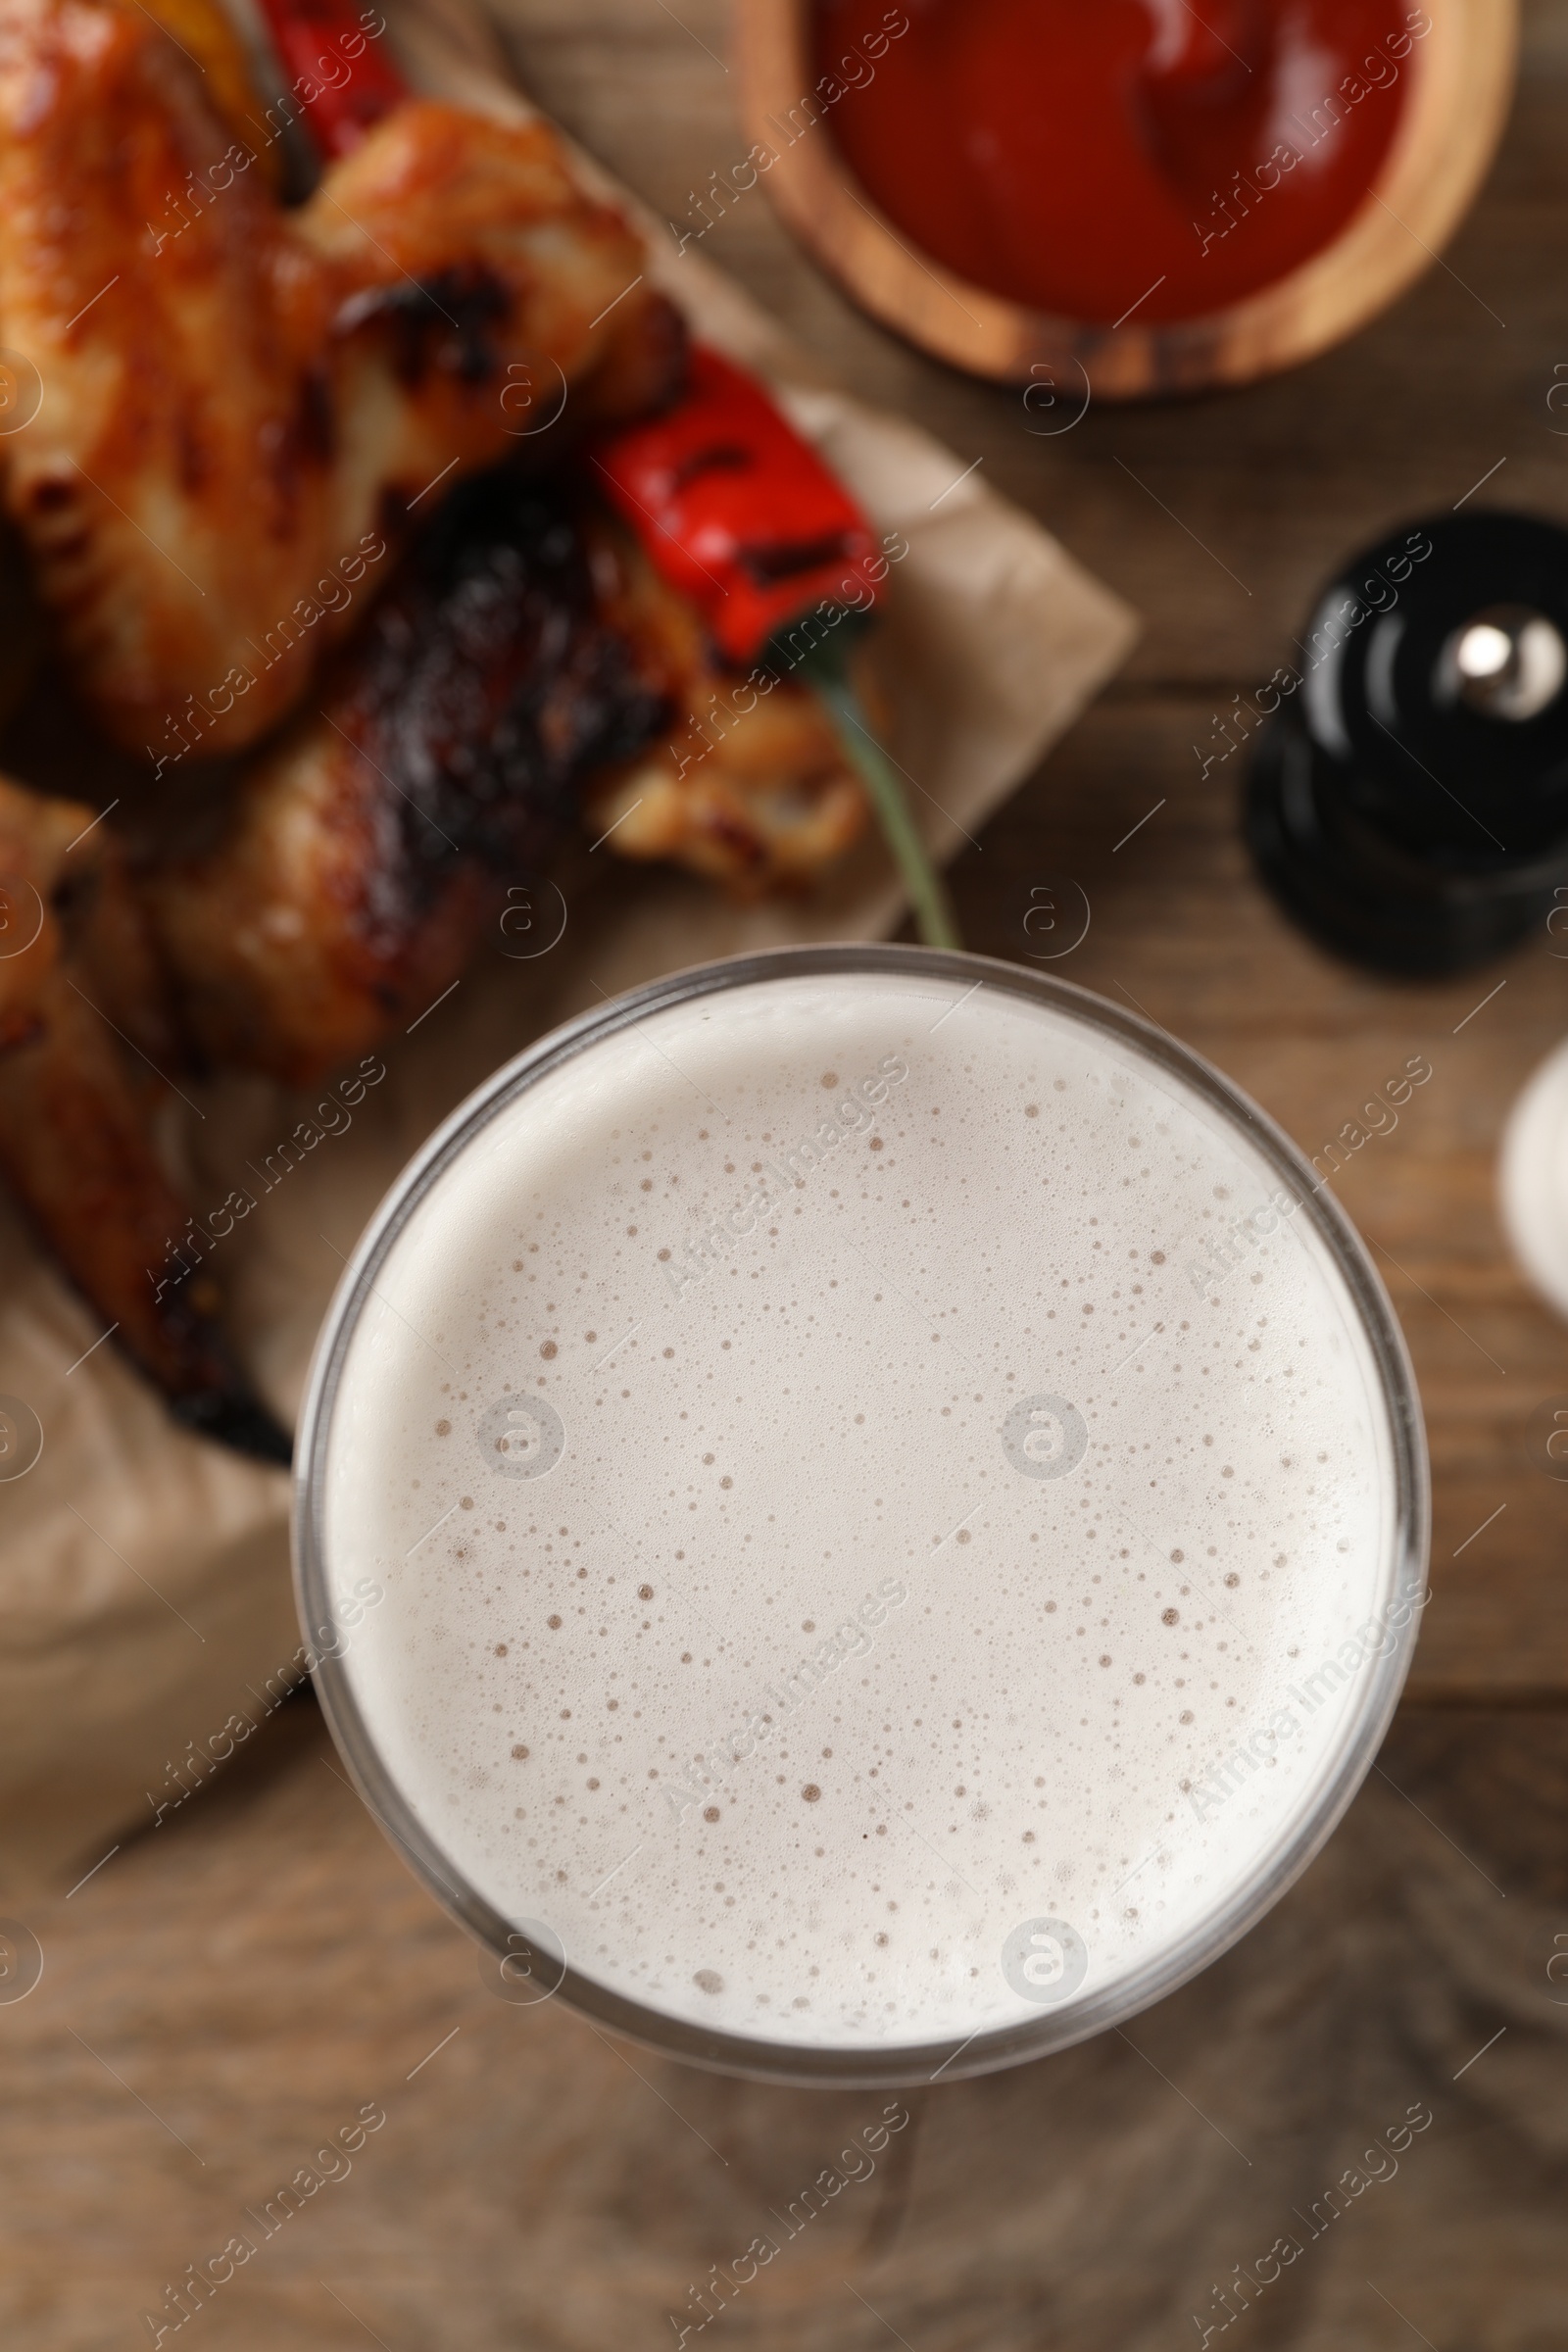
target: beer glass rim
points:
(901, 2065)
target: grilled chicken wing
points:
(75, 1110)
(238, 403)
(747, 784)
(753, 791)
(369, 849)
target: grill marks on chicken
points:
(506, 671)
(78, 1094)
(371, 848)
(230, 412)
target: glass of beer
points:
(862, 1513)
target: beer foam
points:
(886, 1520)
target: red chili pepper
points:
(737, 512)
(336, 66)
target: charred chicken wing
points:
(369, 850)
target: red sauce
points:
(1072, 153)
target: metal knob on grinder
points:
(1409, 807)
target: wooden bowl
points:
(1462, 76)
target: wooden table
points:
(226, 1994)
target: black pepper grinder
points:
(1408, 803)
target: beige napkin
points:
(144, 1589)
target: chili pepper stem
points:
(828, 671)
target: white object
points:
(1532, 1179)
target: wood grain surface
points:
(228, 1996)
(225, 1994)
